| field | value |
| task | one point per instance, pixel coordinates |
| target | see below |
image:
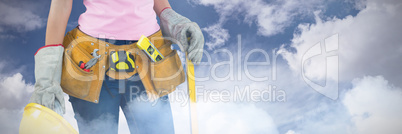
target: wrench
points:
(93, 61)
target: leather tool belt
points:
(159, 78)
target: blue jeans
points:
(143, 116)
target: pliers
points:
(91, 62)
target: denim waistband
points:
(118, 42)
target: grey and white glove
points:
(48, 65)
(180, 28)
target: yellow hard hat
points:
(38, 119)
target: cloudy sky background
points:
(365, 34)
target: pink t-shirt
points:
(118, 19)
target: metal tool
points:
(91, 62)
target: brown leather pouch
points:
(167, 73)
(75, 81)
(163, 76)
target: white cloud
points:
(290, 132)
(375, 106)
(220, 117)
(14, 88)
(15, 93)
(368, 42)
(218, 34)
(270, 17)
(18, 19)
(10, 120)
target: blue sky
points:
(364, 73)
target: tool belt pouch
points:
(167, 73)
(75, 81)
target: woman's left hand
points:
(183, 32)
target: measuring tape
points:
(192, 94)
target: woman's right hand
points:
(48, 68)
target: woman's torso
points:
(118, 19)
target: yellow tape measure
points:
(192, 94)
(121, 61)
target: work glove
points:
(48, 92)
(180, 28)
